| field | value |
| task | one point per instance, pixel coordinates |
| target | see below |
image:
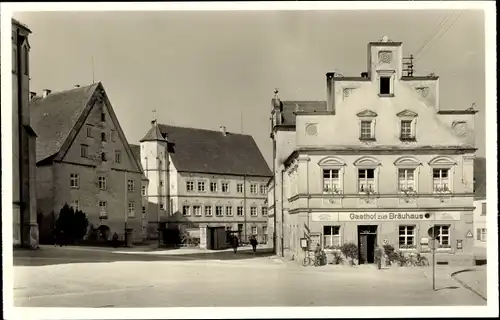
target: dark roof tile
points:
(54, 116)
(289, 107)
(207, 151)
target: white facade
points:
(480, 228)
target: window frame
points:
(229, 211)
(84, 151)
(384, 74)
(197, 213)
(188, 184)
(90, 130)
(74, 181)
(263, 189)
(440, 236)
(252, 228)
(332, 163)
(113, 135)
(200, 186)
(239, 188)
(483, 209)
(256, 212)
(263, 211)
(408, 163)
(102, 204)
(238, 211)
(131, 209)
(118, 156)
(217, 211)
(367, 163)
(214, 187)
(226, 184)
(481, 234)
(130, 185)
(208, 211)
(186, 210)
(253, 188)
(102, 183)
(144, 191)
(406, 236)
(330, 245)
(103, 137)
(103, 157)
(441, 162)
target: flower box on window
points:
(407, 246)
(332, 248)
(332, 191)
(442, 189)
(408, 191)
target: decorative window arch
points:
(367, 175)
(442, 170)
(332, 175)
(407, 125)
(408, 170)
(366, 125)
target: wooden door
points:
(363, 248)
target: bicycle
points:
(417, 260)
(308, 260)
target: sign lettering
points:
(385, 216)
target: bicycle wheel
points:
(306, 261)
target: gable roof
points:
(153, 134)
(480, 178)
(59, 117)
(289, 107)
(54, 117)
(208, 151)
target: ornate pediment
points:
(407, 161)
(367, 161)
(407, 114)
(442, 161)
(367, 113)
(331, 162)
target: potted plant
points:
(337, 258)
(350, 251)
(390, 254)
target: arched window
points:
(367, 168)
(332, 175)
(442, 174)
(408, 171)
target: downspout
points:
(275, 251)
(245, 206)
(282, 216)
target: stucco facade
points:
(379, 162)
(195, 199)
(480, 229)
(25, 227)
(97, 173)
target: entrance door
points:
(367, 239)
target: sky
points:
(207, 69)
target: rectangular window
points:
(162, 205)
(201, 186)
(441, 180)
(161, 183)
(84, 151)
(74, 180)
(102, 183)
(143, 190)
(89, 131)
(239, 188)
(103, 208)
(189, 185)
(385, 85)
(366, 130)
(225, 187)
(208, 211)
(263, 189)
(483, 209)
(103, 136)
(239, 211)
(186, 211)
(118, 156)
(264, 233)
(406, 180)
(143, 210)
(481, 234)
(407, 237)
(75, 204)
(103, 156)
(406, 130)
(213, 186)
(366, 180)
(254, 230)
(103, 117)
(253, 188)
(443, 237)
(113, 135)
(131, 209)
(229, 211)
(218, 211)
(331, 180)
(253, 211)
(331, 236)
(264, 211)
(131, 185)
(197, 211)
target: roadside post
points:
(432, 244)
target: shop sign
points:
(384, 216)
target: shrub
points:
(350, 251)
(337, 258)
(390, 253)
(72, 225)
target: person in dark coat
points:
(317, 255)
(115, 240)
(378, 257)
(235, 244)
(253, 242)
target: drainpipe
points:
(282, 215)
(275, 251)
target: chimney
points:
(330, 92)
(46, 92)
(32, 95)
(364, 74)
(223, 130)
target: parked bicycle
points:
(417, 260)
(310, 259)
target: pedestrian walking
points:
(253, 242)
(378, 257)
(115, 240)
(235, 244)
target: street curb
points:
(463, 284)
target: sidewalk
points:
(474, 280)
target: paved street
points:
(101, 278)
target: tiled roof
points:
(480, 178)
(206, 151)
(153, 134)
(54, 116)
(289, 107)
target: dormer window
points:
(386, 83)
(367, 125)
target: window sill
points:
(408, 249)
(367, 139)
(443, 250)
(386, 95)
(412, 139)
